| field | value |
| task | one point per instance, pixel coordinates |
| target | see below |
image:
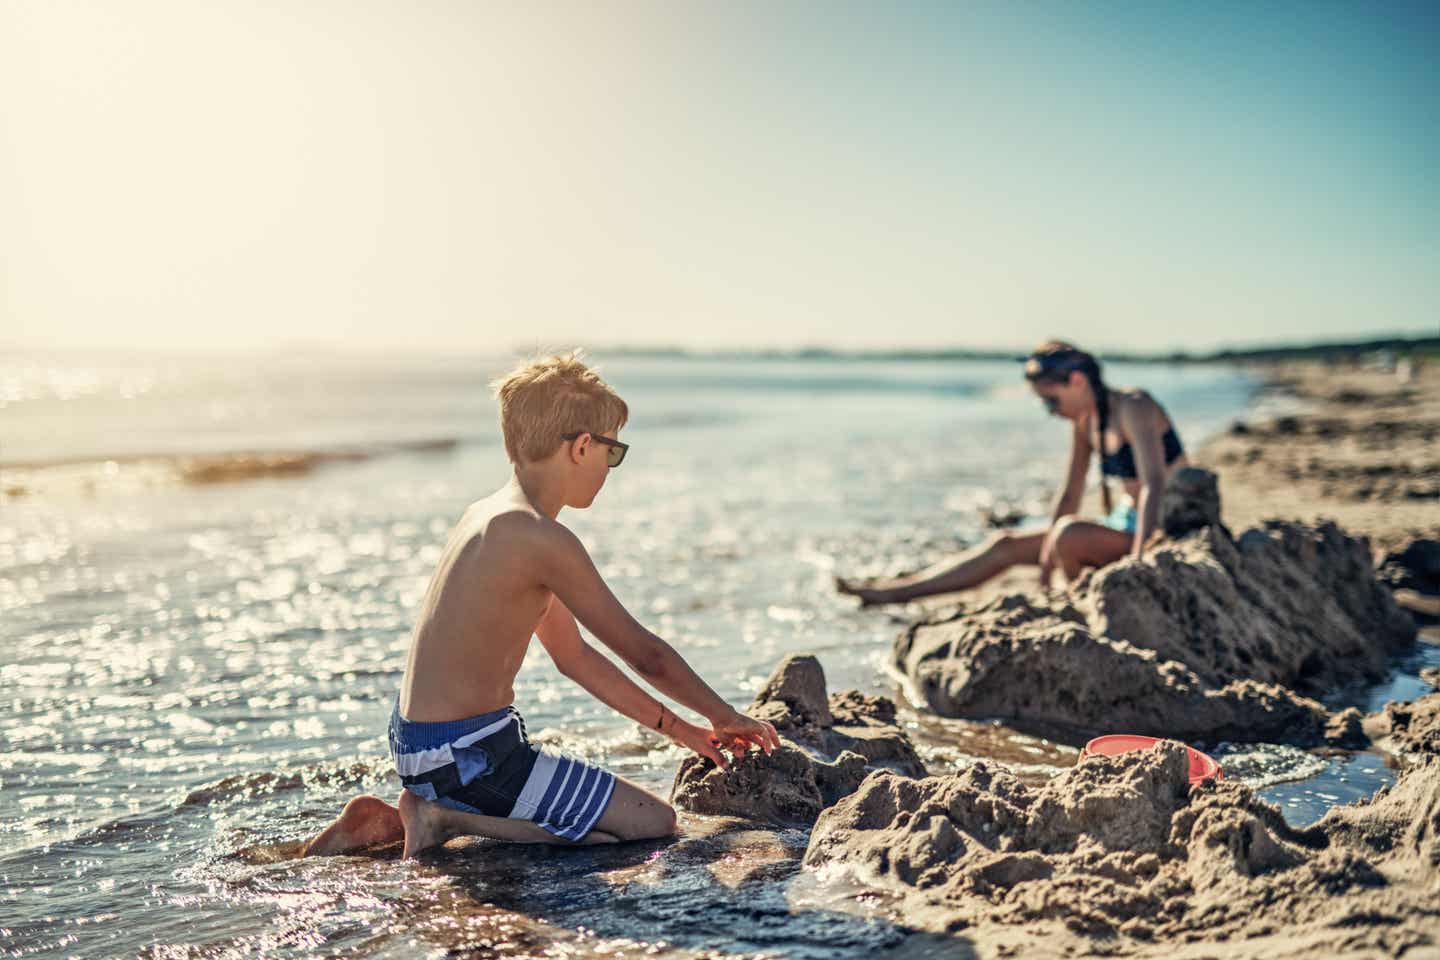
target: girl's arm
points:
(1068, 501)
(1139, 420)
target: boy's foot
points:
(424, 824)
(365, 822)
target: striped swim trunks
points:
(488, 765)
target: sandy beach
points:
(1363, 450)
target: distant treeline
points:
(1351, 350)
(1399, 346)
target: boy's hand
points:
(686, 734)
(736, 732)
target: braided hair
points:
(1053, 362)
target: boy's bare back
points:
(480, 610)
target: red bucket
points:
(1202, 766)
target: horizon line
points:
(813, 351)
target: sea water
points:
(198, 675)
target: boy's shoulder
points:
(517, 527)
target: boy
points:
(508, 571)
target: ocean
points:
(209, 569)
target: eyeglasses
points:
(1052, 404)
(614, 456)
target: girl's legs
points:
(1077, 544)
(959, 572)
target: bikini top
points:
(1121, 463)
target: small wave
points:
(1260, 765)
(96, 831)
(261, 854)
(250, 785)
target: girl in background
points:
(1137, 445)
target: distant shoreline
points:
(1346, 350)
(1427, 347)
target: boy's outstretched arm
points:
(567, 571)
(593, 670)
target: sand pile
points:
(1121, 852)
(1286, 603)
(1409, 729)
(1207, 636)
(829, 744)
(1191, 501)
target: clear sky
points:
(458, 175)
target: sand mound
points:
(1287, 603)
(1120, 852)
(1191, 501)
(1411, 728)
(1205, 636)
(829, 744)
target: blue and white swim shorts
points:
(488, 765)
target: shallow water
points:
(1402, 683)
(1305, 785)
(198, 675)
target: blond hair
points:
(549, 396)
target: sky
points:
(452, 175)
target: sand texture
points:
(1121, 856)
(1202, 637)
(829, 744)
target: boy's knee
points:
(664, 822)
(658, 821)
(638, 814)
